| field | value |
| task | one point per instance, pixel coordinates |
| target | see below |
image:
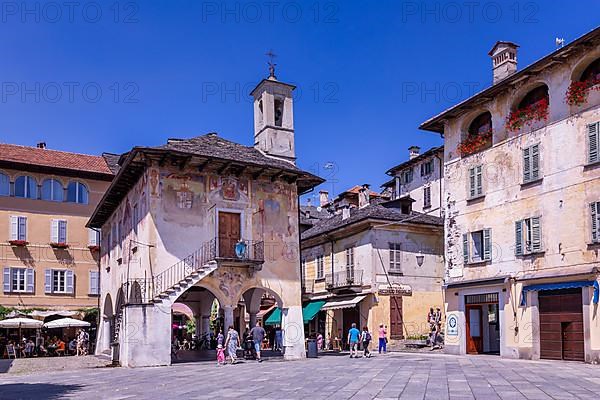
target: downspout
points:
(98, 318)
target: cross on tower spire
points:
(272, 65)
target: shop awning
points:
(561, 285)
(274, 318)
(348, 303)
(310, 310)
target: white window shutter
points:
(593, 145)
(487, 244)
(526, 165)
(94, 282)
(6, 281)
(472, 182)
(69, 278)
(48, 281)
(14, 227)
(536, 234)
(519, 237)
(54, 231)
(465, 248)
(535, 162)
(479, 180)
(30, 280)
(93, 238)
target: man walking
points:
(353, 337)
(258, 335)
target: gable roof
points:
(421, 157)
(375, 212)
(436, 123)
(36, 159)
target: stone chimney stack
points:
(504, 60)
(363, 196)
(414, 151)
(345, 212)
(41, 145)
(323, 198)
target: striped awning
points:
(561, 285)
(347, 303)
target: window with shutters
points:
(476, 182)
(395, 258)
(593, 143)
(18, 280)
(320, 267)
(528, 236)
(18, 228)
(94, 283)
(595, 207)
(531, 164)
(26, 187)
(477, 246)
(407, 176)
(427, 168)
(59, 281)
(4, 185)
(58, 234)
(426, 197)
(93, 237)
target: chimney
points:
(413, 151)
(504, 60)
(323, 198)
(363, 196)
(41, 145)
(345, 212)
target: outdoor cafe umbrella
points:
(66, 323)
(20, 323)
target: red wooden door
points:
(561, 325)
(474, 330)
(396, 325)
(229, 233)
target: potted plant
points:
(473, 143)
(578, 91)
(59, 245)
(534, 112)
(18, 243)
(94, 247)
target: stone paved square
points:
(391, 376)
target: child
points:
(220, 355)
(366, 340)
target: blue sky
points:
(105, 76)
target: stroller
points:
(249, 353)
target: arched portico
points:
(106, 325)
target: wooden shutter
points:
(7, 282)
(48, 281)
(92, 237)
(519, 237)
(535, 162)
(595, 222)
(465, 248)
(536, 234)
(94, 282)
(30, 280)
(22, 228)
(593, 139)
(14, 227)
(487, 244)
(472, 182)
(54, 231)
(62, 231)
(526, 165)
(69, 279)
(478, 180)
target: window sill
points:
(395, 273)
(592, 165)
(319, 280)
(526, 185)
(476, 199)
(533, 254)
(427, 207)
(478, 263)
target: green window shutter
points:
(593, 139)
(535, 162)
(526, 165)
(536, 234)
(487, 244)
(519, 237)
(479, 180)
(465, 248)
(595, 222)
(472, 182)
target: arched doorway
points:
(106, 329)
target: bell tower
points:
(274, 117)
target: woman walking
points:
(382, 339)
(232, 343)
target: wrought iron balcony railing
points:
(343, 279)
(239, 250)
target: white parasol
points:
(66, 323)
(20, 323)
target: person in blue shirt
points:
(353, 338)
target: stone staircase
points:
(185, 283)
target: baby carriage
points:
(249, 349)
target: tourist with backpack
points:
(365, 339)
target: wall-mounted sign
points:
(395, 289)
(452, 325)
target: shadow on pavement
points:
(37, 391)
(187, 356)
(5, 365)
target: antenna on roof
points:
(560, 42)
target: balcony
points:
(349, 280)
(239, 252)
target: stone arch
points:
(268, 290)
(135, 293)
(107, 310)
(584, 63)
(120, 301)
(527, 92)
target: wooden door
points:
(229, 233)
(396, 325)
(474, 330)
(561, 325)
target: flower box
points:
(18, 243)
(475, 143)
(537, 111)
(94, 247)
(578, 91)
(59, 245)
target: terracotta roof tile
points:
(53, 159)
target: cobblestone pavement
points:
(392, 376)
